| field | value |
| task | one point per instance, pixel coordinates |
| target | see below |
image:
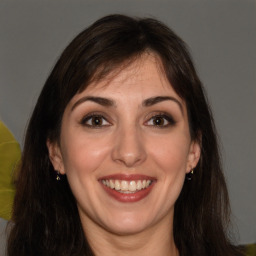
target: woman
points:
(121, 156)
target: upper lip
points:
(127, 177)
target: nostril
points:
(129, 148)
(129, 157)
(129, 160)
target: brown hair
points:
(45, 216)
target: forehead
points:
(144, 75)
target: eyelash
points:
(167, 118)
(90, 117)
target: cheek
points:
(82, 154)
(171, 154)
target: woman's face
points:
(125, 147)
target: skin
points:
(128, 141)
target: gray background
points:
(222, 39)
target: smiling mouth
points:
(126, 187)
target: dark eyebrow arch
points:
(110, 103)
(102, 101)
(154, 100)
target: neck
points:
(155, 241)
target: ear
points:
(55, 156)
(194, 155)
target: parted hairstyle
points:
(45, 218)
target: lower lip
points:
(131, 197)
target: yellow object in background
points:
(9, 156)
(251, 249)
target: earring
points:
(58, 176)
(189, 175)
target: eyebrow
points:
(110, 103)
(154, 100)
(102, 101)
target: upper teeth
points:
(125, 186)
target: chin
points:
(127, 225)
(126, 230)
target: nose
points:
(129, 148)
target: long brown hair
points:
(45, 217)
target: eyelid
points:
(168, 117)
(90, 115)
(171, 121)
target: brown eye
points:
(95, 121)
(160, 121)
